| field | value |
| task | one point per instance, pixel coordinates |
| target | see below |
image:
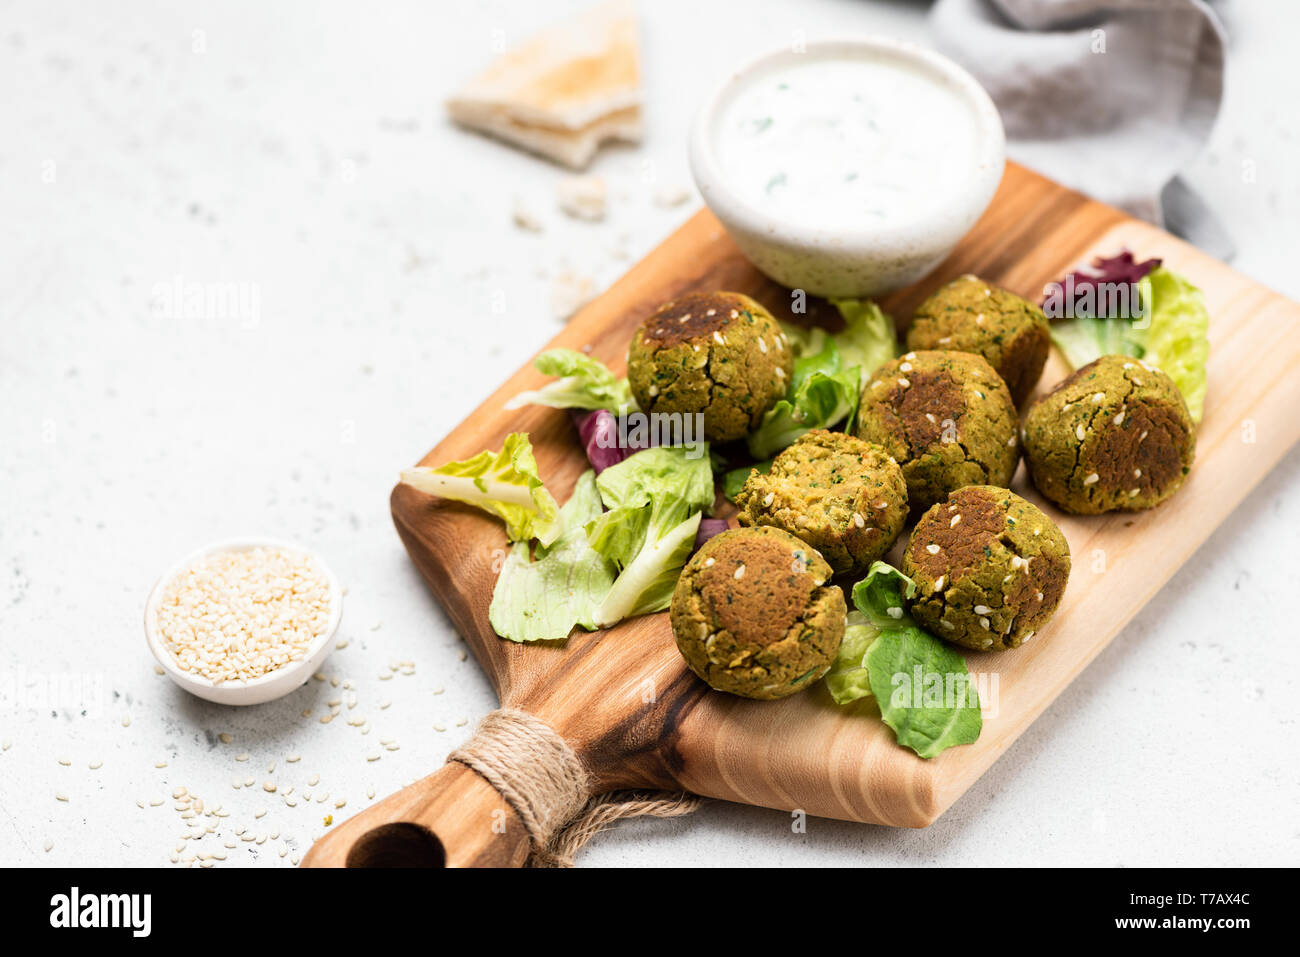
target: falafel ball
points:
(1115, 435)
(946, 417)
(990, 568)
(843, 496)
(754, 616)
(970, 315)
(718, 353)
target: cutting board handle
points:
(452, 818)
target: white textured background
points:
(300, 149)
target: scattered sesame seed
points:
(61, 796)
(984, 623)
(982, 609)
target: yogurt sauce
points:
(846, 143)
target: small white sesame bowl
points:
(267, 687)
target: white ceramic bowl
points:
(848, 262)
(269, 686)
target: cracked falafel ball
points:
(946, 417)
(717, 353)
(1114, 436)
(754, 616)
(990, 568)
(843, 496)
(970, 315)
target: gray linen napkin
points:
(1109, 97)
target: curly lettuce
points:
(655, 500)
(582, 383)
(544, 597)
(504, 483)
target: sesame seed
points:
(1134, 492)
(1011, 442)
(984, 623)
(768, 499)
(60, 796)
(905, 367)
(956, 520)
(904, 383)
(988, 642)
(945, 624)
(1091, 478)
(858, 520)
(708, 562)
(982, 609)
(1099, 397)
(717, 337)
(226, 738)
(1039, 597)
(894, 611)
(932, 549)
(762, 346)
(653, 390)
(1119, 418)
(1028, 635)
(938, 583)
(780, 373)
(1137, 473)
(1079, 432)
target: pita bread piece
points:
(565, 91)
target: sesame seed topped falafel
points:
(754, 616)
(1114, 436)
(970, 315)
(845, 497)
(717, 353)
(946, 417)
(990, 568)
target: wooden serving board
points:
(624, 699)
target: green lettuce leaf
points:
(1178, 341)
(734, 479)
(868, 338)
(543, 599)
(655, 498)
(1173, 336)
(848, 679)
(822, 392)
(921, 685)
(504, 483)
(583, 383)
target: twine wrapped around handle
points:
(541, 777)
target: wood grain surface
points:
(623, 697)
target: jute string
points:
(539, 775)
